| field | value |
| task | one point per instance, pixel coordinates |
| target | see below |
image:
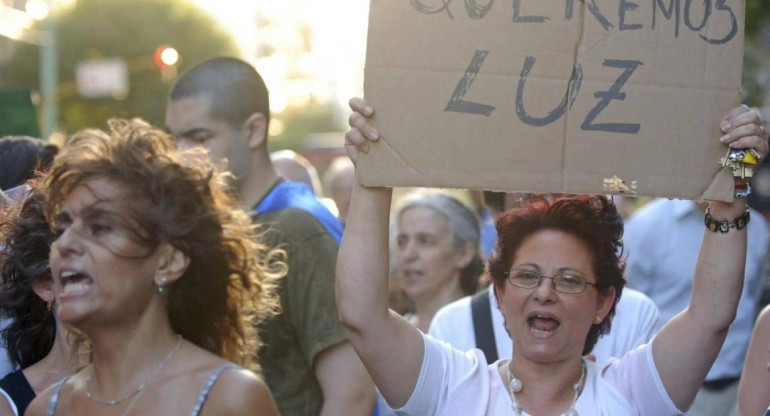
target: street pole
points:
(49, 76)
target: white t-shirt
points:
(456, 383)
(636, 322)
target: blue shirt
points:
(286, 194)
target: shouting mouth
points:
(74, 283)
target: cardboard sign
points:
(574, 96)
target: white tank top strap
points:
(207, 387)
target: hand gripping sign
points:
(575, 96)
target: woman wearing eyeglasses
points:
(557, 277)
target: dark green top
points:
(309, 322)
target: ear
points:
(603, 304)
(464, 256)
(499, 292)
(255, 128)
(43, 288)
(173, 263)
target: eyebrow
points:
(91, 211)
(192, 131)
(94, 211)
(558, 271)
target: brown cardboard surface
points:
(680, 77)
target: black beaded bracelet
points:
(724, 225)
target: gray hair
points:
(464, 227)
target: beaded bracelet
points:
(724, 225)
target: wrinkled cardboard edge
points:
(721, 187)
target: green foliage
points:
(756, 54)
(303, 122)
(757, 15)
(132, 30)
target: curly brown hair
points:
(180, 198)
(27, 239)
(592, 219)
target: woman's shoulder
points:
(49, 396)
(224, 387)
(234, 390)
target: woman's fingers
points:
(359, 105)
(739, 117)
(358, 121)
(743, 130)
(361, 132)
(732, 117)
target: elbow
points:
(348, 318)
(717, 323)
(351, 316)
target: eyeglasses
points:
(564, 283)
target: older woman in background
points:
(437, 252)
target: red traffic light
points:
(165, 56)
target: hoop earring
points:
(49, 306)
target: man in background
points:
(222, 104)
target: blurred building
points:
(307, 55)
(6, 42)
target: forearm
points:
(347, 387)
(351, 404)
(688, 344)
(362, 264)
(718, 280)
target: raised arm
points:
(687, 346)
(390, 348)
(754, 390)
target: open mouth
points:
(411, 276)
(542, 324)
(74, 283)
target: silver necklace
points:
(515, 386)
(141, 387)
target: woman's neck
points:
(427, 306)
(547, 388)
(126, 357)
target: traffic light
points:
(165, 56)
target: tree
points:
(756, 57)
(757, 16)
(128, 29)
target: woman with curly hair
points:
(153, 262)
(34, 341)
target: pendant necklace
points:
(515, 386)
